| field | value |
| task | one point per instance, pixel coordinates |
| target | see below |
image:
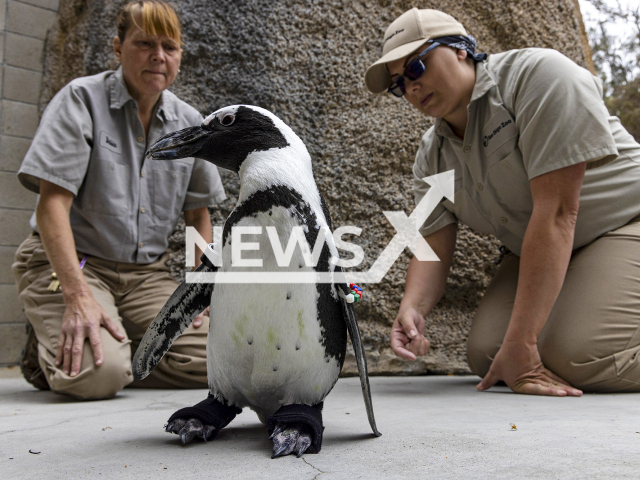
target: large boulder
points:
(305, 60)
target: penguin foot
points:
(296, 429)
(189, 429)
(287, 439)
(202, 421)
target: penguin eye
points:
(227, 119)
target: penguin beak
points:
(181, 144)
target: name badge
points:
(109, 142)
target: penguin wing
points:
(358, 349)
(176, 315)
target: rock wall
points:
(305, 60)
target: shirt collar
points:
(484, 81)
(120, 96)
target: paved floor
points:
(432, 427)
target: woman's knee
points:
(94, 382)
(100, 383)
(480, 353)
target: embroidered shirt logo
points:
(108, 141)
(495, 132)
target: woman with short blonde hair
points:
(93, 275)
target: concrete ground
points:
(432, 427)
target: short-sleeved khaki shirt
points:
(91, 142)
(532, 111)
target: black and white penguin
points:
(275, 348)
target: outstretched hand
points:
(520, 367)
(407, 335)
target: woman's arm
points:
(424, 287)
(546, 251)
(83, 315)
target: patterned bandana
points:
(461, 42)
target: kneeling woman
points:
(540, 164)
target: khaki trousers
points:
(132, 295)
(592, 336)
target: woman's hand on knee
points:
(519, 365)
(82, 319)
(407, 335)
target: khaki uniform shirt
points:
(91, 142)
(532, 111)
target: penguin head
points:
(225, 138)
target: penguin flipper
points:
(361, 361)
(176, 315)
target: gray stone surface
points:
(3, 12)
(12, 151)
(14, 194)
(15, 225)
(6, 259)
(29, 20)
(12, 312)
(432, 427)
(48, 4)
(22, 51)
(14, 338)
(305, 62)
(19, 119)
(21, 84)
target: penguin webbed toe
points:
(296, 429)
(190, 429)
(202, 421)
(294, 438)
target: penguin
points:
(276, 348)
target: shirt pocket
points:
(106, 188)
(170, 185)
(509, 184)
(499, 137)
(466, 211)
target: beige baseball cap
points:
(408, 32)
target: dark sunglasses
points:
(413, 71)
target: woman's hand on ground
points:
(82, 319)
(407, 335)
(519, 365)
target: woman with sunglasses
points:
(540, 164)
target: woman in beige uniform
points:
(540, 164)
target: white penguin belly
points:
(264, 348)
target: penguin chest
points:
(266, 345)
